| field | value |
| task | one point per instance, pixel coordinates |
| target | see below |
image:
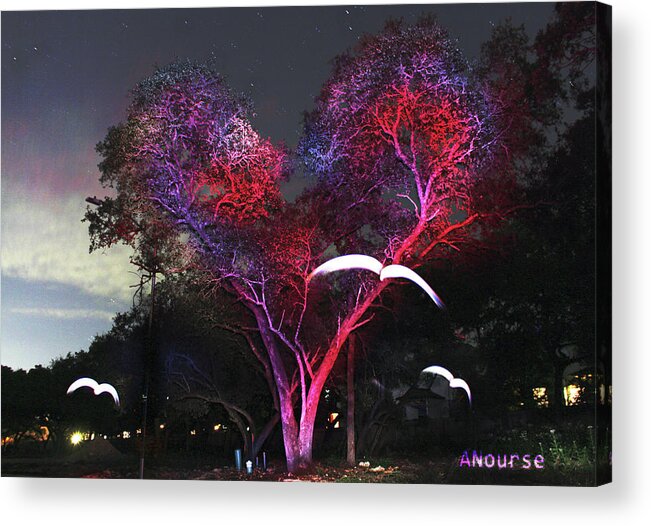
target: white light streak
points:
(97, 388)
(455, 383)
(360, 261)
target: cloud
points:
(44, 240)
(64, 314)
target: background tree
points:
(35, 403)
(20, 407)
(205, 359)
(532, 297)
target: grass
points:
(571, 453)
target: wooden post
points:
(350, 415)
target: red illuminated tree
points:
(403, 146)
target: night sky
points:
(65, 80)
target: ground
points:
(397, 471)
(569, 460)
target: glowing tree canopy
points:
(187, 152)
(197, 150)
(398, 142)
(402, 116)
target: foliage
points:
(205, 364)
(35, 404)
(402, 124)
(415, 157)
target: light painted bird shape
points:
(455, 383)
(360, 261)
(98, 389)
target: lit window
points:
(540, 396)
(572, 394)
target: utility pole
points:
(350, 404)
(149, 354)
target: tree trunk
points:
(264, 435)
(290, 432)
(241, 427)
(558, 397)
(308, 419)
(306, 434)
(298, 433)
(350, 406)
